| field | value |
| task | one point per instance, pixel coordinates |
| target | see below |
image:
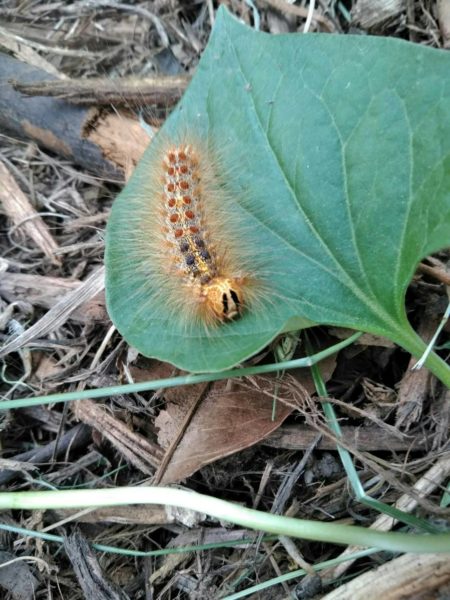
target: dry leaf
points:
(225, 422)
(205, 422)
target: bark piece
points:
(139, 515)
(300, 11)
(430, 481)
(366, 439)
(106, 130)
(141, 453)
(64, 128)
(91, 578)
(415, 385)
(16, 577)
(437, 271)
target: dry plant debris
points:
(55, 334)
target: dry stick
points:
(46, 292)
(91, 578)
(367, 439)
(59, 314)
(19, 209)
(126, 91)
(75, 438)
(410, 18)
(432, 479)
(440, 274)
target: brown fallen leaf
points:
(228, 419)
(204, 423)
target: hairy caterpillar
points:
(203, 267)
(184, 243)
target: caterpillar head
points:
(223, 298)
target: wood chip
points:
(408, 576)
(141, 453)
(370, 14)
(443, 14)
(46, 292)
(59, 314)
(299, 11)
(92, 580)
(415, 385)
(21, 212)
(367, 439)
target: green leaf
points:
(339, 150)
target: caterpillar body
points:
(181, 254)
(219, 293)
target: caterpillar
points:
(184, 241)
(219, 291)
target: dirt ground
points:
(53, 209)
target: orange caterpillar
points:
(186, 242)
(218, 290)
